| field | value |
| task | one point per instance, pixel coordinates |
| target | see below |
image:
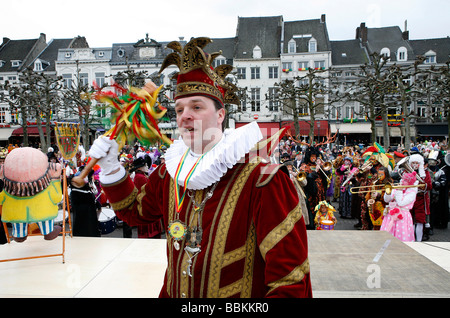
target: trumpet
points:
(386, 187)
(366, 166)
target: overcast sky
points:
(106, 22)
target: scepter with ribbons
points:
(136, 114)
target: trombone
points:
(299, 175)
(327, 167)
(387, 187)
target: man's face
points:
(199, 123)
(415, 165)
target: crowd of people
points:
(392, 189)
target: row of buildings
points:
(264, 51)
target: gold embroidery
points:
(169, 241)
(223, 229)
(293, 277)
(187, 88)
(280, 231)
(247, 280)
(125, 202)
(139, 198)
(231, 289)
(234, 256)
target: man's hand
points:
(107, 151)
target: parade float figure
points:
(398, 220)
(325, 219)
(31, 193)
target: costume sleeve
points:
(136, 206)
(281, 237)
(407, 198)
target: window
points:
(402, 54)
(303, 66)
(16, 63)
(292, 46)
(67, 80)
(100, 78)
(386, 52)
(37, 66)
(273, 71)
(257, 53)
(84, 79)
(219, 61)
(312, 46)
(287, 67)
(430, 57)
(254, 73)
(319, 65)
(120, 52)
(256, 99)
(241, 72)
(68, 55)
(273, 99)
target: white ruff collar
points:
(233, 146)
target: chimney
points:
(361, 32)
(405, 34)
(322, 18)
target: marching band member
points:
(421, 207)
(346, 173)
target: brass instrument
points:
(387, 187)
(404, 165)
(299, 175)
(327, 167)
(366, 166)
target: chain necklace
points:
(194, 233)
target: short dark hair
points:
(218, 105)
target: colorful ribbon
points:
(179, 200)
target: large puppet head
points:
(26, 172)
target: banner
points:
(68, 139)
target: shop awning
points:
(32, 131)
(5, 133)
(433, 130)
(355, 128)
(321, 127)
(267, 129)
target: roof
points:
(440, 46)
(302, 31)
(264, 32)
(50, 53)
(15, 50)
(123, 52)
(348, 52)
(388, 37)
(226, 45)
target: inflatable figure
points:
(32, 191)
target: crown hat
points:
(196, 74)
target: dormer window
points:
(402, 54)
(257, 53)
(219, 61)
(68, 55)
(292, 46)
(120, 52)
(312, 45)
(2, 63)
(386, 52)
(16, 63)
(38, 66)
(430, 57)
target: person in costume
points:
(140, 169)
(372, 203)
(324, 212)
(231, 232)
(317, 179)
(421, 206)
(398, 220)
(32, 191)
(299, 184)
(439, 169)
(346, 173)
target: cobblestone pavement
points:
(342, 224)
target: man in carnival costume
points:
(372, 204)
(231, 232)
(317, 179)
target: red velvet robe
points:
(254, 240)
